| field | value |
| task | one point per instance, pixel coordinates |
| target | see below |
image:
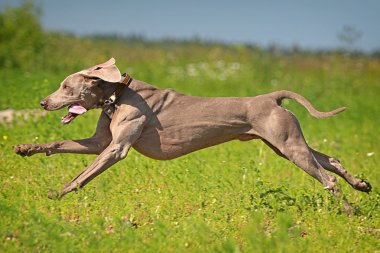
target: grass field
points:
(235, 197)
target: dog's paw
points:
(363, 186)
(26, 149)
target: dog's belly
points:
(175, 142)
(187, 124)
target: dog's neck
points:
(108, 90)
(113, 91)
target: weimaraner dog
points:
(164, 124)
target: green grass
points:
(236, 197)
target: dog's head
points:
(81, 91)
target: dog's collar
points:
(126, 79)
(125, 82)
(109, 104)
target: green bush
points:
(21, 37)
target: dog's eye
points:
(64, 86)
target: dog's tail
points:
(280, 95)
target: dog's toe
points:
(20, 150)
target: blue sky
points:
(309, 24)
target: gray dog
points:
(164, 124)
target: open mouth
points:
(74, 111)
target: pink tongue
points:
(77, 109)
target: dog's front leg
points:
(93, 145)
(85, 146)
(124, 136)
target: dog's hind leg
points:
(334, 165)
(284, 134)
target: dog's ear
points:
(106, 71)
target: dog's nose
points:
(43, 103)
